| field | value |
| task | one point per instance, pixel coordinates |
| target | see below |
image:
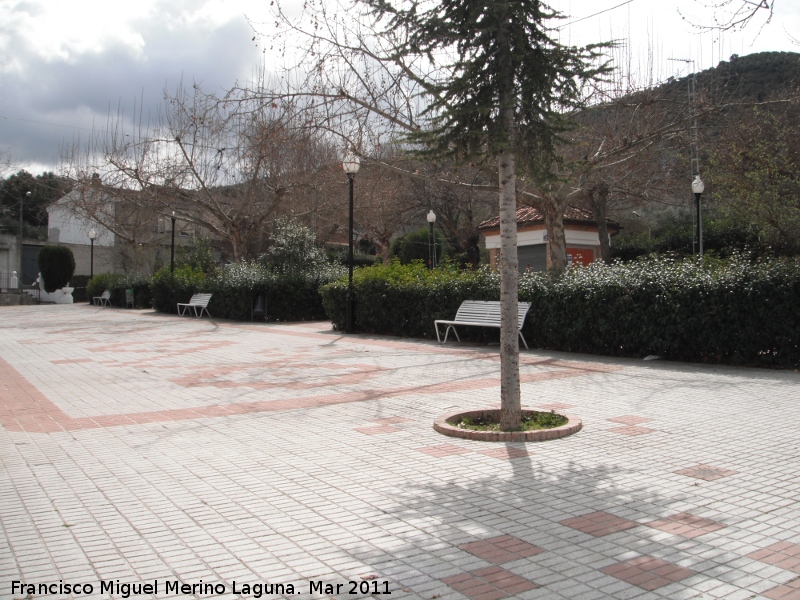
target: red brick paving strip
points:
(648, 572)
(706, 472)
(378, 429)
(24, 408)
(491, 583)
(444, 450)
(68, 361)
(501, 549)
(686, 525)
(599, 523)
(788, 591)
(781, 554)
(631, 430)
(629, 420)
(391, 420)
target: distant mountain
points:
(751, 78)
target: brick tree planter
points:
(446, 426)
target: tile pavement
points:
(138, 447)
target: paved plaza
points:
(151, 456)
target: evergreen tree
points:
(500, 96)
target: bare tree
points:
(462, 82)
(737, 14)
(226, 165)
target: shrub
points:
(292, 296)
(415, 245)
(79, 282)
(117, 283)
(167, 289)
(57, 265)
(403, 300)
(739, 311)
(200, 255)
(294, 249)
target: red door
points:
(580, 256)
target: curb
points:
(443, 425)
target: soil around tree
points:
(449, 425)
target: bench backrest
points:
(200, 299)
(479, 311)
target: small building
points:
(533, 252)
(67, 228)
(129, 238)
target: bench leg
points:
(447, 332)
(523, 340)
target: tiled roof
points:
(528, 215)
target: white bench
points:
(478, 313)
(197, 301)
(103, 300)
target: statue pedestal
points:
(62, 296)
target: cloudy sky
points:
(65, 65)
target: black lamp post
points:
(21, 207)
(697, 188)
(350, 165)
(92, 237)
(172, 250)
(431, 240)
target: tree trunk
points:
(237, 246)
(598, 196)
(510, 403)
(556, 239)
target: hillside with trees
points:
(749, 139)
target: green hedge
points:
(403, 300)
(167, 289)
(736, 311)
(79, 282)
(291, 296)
(117, 284)
(57, 265)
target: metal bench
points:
(478, 313)
(103, 300)
(197, 301)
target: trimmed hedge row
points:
(291, 296)
(736, 311)
(117, 284)
(403, 300)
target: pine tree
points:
(500, 96)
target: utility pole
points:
(694, 151)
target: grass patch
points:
(530, 422)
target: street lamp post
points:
(172, 248)
(697, 188)
(21, 207)
(92, 237)
(431, 240)
(350, 165)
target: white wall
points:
(531, 238)
(64, 227)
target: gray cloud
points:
(49, 103)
